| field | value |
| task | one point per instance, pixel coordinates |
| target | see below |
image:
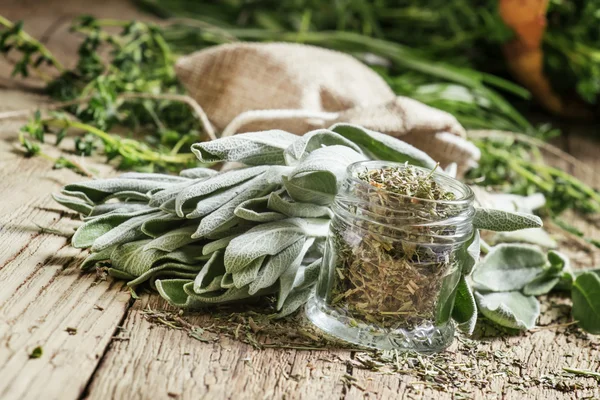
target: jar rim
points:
(466, 197)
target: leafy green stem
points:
(33, 42)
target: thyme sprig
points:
(135, 90)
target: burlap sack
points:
(247, 87)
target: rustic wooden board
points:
(116, 352)
(43, 293)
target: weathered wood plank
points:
(43, 292)
(160, 362)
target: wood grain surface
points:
(98, 344)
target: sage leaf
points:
(226, 281)
(190, 254)
(537, 236)
(465, 309)
(294, 301)
(94, 258)
(288, 277)
(116, 208)
(509, 267)
(214, 268)
(126, 232)
(447, 295)
(497, 220)
(211, 203)
(161, 223)
(129, 195)
(264, 239)
(586, 302)
(224, 216)
(558, 267)
(87, 233)
(227, 179)
(256, 210)
(307, 275)
(384, 147)
(172, 290)
(73, 203)
(470, 252)
(159, 198)
(198, 173)
(296, 209)
(542, 284)
(173, 240)
(218, 244)
(77, 195)
(254, 148)
(509, 309)
(275, 266)
(248, 274)
(132, 259)
(315, 140)
(170, 269)
(220, 296)
(153, 177)
(316, 179)
(98, 190)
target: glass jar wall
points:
(392, 262)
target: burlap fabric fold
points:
(246, 87)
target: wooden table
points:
(98, 344)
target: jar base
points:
(421, 339)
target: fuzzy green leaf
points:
(173, 240)
(87, 233)
(586, 302)
(509, 309)
(256, 210)
(132, 259)
(537, 236)
(188, 197)
(126, 232)
(225, 216)
(296, 209)
(249, 273)
(509, 267)
(316, 179)
(198, 173)
(75, 204)
(275, 266)
(315, 140)
(254, 148)
(470, 252)
(290, 277)
(264, 239)
(497, 220)
(214, 268)
(384, 147)
(465, 309)
(98, 190)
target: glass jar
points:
(392, 263)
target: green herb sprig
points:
(134, 90)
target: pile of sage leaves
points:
(206, 237)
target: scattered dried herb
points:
(36, 353)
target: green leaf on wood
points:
(586, 302)
(509, 267)
(509, 309)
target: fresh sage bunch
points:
(207, 237)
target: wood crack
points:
(86, 390)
